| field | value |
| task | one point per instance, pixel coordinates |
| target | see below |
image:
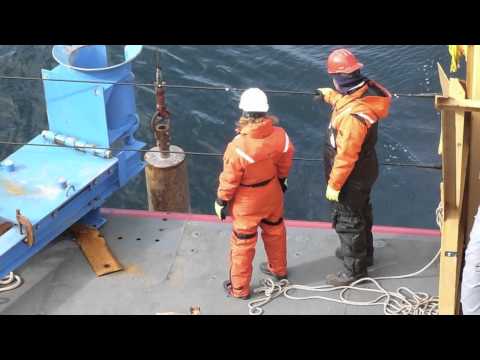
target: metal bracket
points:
(450, 253)
(160, 122)
(24, 222)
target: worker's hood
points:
(377, 104)
(259, 130)
(371, 102)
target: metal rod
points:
(194, 87)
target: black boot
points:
(227, 286)
(339, 255)
(264, 269)
(368, 232)
(343, 278)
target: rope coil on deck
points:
(10, 282)
(401, 302)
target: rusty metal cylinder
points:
(167, 181)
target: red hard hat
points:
(342, 61)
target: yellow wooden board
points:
(454, 161)
(96, 250)
(444, 85)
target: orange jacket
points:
(351, 119)
(260, 152)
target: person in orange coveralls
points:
(351, 166)
(256, 165)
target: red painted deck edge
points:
(379, 229)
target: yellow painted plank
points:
(457, 92)
(443, 80)
(453, 173)
(444, 85)
(96, 250)
(449, 290)
(457, 103)
(448, 158)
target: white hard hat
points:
(253, 100)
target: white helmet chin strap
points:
(254, 115)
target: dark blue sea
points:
(203, 121)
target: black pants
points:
(353, 220)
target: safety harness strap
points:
(260, 184)
(273, 223)
(244, 236)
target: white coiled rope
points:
(10, 282)
(401, 302)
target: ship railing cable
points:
(196, 153)
(191, 87)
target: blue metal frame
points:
(101, 115)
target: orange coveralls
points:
(253, 162)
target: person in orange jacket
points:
(351, 166)
(256, 165)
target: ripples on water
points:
(204, 121)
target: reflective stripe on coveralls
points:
(261, 154)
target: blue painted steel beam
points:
(56, 186)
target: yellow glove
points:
(332, 194)
(322, 92)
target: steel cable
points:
(192, 87)
(3, 142)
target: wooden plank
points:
(457, 92)
(443, 80)
(456, 104)
(96, 250)
(448, 158)
(449, 289)
(444, 85)
(454, 174)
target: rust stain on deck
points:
(13, 188)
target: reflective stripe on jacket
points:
(260, 152)
(352, 134)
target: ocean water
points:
(203, 121)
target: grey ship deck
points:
(176, 261)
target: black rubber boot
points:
(264, 269)
(368, 212)
(343, 278)
(350, 225)
(339, 255)
(227, 286)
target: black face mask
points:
(347, 83)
